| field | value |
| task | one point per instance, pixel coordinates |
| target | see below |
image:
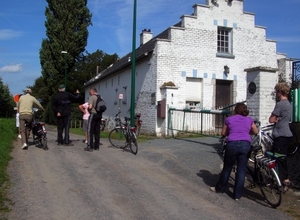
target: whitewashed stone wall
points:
(191, 51)
(262, 102)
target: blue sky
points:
(22, 29)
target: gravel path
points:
(167, 179)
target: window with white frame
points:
(224, 40)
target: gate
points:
(197, 121)
(296, 75)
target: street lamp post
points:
(65, 57)
(132, 103)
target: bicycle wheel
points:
(44, 143)
(270, 186)
(133, 143)
(117, 137)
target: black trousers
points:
(63, 123)
(94, 131)
(280, 145)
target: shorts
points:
(17, 120)
(85, 125)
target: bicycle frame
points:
(263, 138)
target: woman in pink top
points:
(238, 129)
(84, 109)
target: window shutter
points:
(193, 89)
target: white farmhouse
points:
(205, 61)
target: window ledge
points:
(225, 55)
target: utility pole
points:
(132, 103)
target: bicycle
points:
(223, 141)
(39, 133)
(123, 135)
(138, 123)
(263, 173)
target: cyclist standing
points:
(282, 134)
(25, 105)
(238, 128)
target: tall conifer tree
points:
(66, 25)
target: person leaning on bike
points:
(238, 129)
(282, 134)
(94, 122)
(61, 106)
(25, 106)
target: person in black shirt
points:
(61, 105)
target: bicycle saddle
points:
(275, 155)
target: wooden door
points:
(223, 98)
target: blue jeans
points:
(236, 151)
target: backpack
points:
(100, 105)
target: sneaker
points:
(286, 185)
(19, 136)
(24, 146)
(86, 142)
(213, 189)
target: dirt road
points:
(167, 179)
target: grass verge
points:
(105, 134)
(8, 133)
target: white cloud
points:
(6, 34)
(11, 68)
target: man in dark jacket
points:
(61, 105)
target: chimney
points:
(145, 36)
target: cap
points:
(61, 86)
(28, 90)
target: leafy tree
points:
(89, 64)
(66, 29)
(39, 90)
(6, 101)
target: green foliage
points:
(67, 25)
(67, 30)
(39, 91)
(8, 133)
(92, 63)
(78, 131)
(6, 101)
